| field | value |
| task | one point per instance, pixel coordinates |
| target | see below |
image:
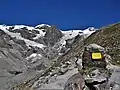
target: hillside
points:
(109, 38)
(105, 37)
(43, 57)
(26, 51)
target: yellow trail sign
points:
(96, 56)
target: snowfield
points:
(18, 36)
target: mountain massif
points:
(43, 57)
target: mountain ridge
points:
(48, 54)
(33, 49)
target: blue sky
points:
(65, 14)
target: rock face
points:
(11, 60)
(88, 60)
(10, 53)
(3, 38)
(76, 82)
(52, 36)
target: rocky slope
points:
(43, 57)
(109, 38)
(27, 51)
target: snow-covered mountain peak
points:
(23, 26)
(42, 25)
(72, 33)
(20, 36)
(35, 36)
(14, 27)
(4, 27)
(87, 32)
(91, 28)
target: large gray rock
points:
(52, 36)
(75, 82)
